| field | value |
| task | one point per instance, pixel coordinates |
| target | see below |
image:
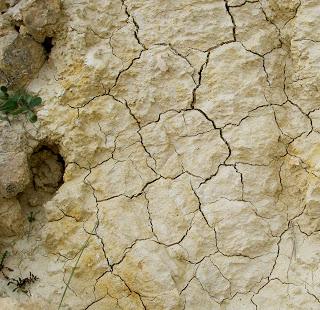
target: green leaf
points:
(28, 98)
(9, 105)
(32, 117)
(18, 102)
(35, 101)
(19, 111)
(14, 98)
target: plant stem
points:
(29, 231)
(76, 264)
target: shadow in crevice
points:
(46, 168)
(47, 45)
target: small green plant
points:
(16, 103)
(31, 218)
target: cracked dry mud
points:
(190, 132)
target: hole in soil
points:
(47, 45)
(17, 28)
(47, 168)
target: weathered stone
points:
(15, 174)
(6, 4)
(103, 127)
(200, 240)
(159, 277)
(13, 138)
(298, 252)
(165, 83)
(228, 93)
(11, 219)
(275, 65)
(3, 6)
(20, 59)
(225, 184)
(177, 203)
(308, 156)
(280, 12)
(64, 236)
(288, 296)
(186, 141)
(265, 193)
(244, 274)
(195, 295)
(309, 221)
(253, 30)
(121, 233)
(294, 182)
(82, 280)
(128, 177)
(64, 202)
(219, 289)
(40, 17)
(291, 121)
(265, 143)
(119, 295)
(239, 230)
(197, 24)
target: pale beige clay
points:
(190, 135)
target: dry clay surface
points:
(190, 133)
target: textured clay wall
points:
(190, 135)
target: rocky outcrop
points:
(40, 18)
(20, 59)
(14, 174)
(21, 52)
(189, 130)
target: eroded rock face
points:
(190, 132)
(11, 219)
(20, 59)
(6, 4)
(41, 18)
(15, 175)
(46, 176)
(188, 142)
(21, 52)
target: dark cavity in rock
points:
(47, 45)
(47, 168)
(17, 28)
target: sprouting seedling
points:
(3, 267)
(19, 102)
(31, 217)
